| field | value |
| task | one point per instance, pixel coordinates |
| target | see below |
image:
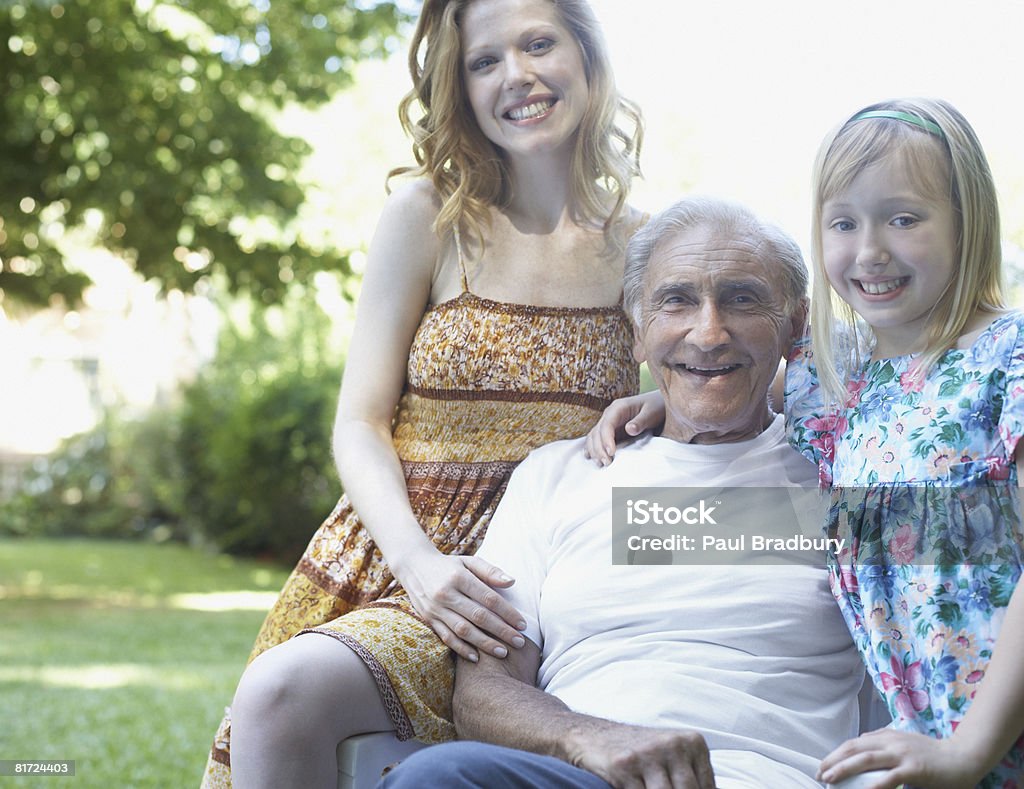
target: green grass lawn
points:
(121, 656)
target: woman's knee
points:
(286, 680)
(309, 681)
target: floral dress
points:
(487, 382)
(924, 493)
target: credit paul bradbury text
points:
(758, 542)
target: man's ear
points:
(639, 354)
(798, 322)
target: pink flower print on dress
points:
(901, 546)
(849, 552)
(998, 468)
(853, 390)
(826, 428)
(907, 682)
(912, 380)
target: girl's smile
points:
(882, 289)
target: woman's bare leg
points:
(294, 704)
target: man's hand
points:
(637, 757)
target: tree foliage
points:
(149, 124)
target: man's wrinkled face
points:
(713, 327)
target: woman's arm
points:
(451, 593)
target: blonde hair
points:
(838, 339)
(468, 171)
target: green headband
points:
(906, 117)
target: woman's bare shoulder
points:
(416, 199)
(407, 220)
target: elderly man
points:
(663, 676)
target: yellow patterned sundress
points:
(487, 382)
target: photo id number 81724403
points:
(36, 767)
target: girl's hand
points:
(625, 418)
(902, 758)
(456, 597)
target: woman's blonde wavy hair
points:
(953, 164)
(467, 170)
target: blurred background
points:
(187, 191)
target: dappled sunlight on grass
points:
(86, 595)
(240, 600)
(223, 601)
(123, 655)
(97, 677)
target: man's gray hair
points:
(726, 218)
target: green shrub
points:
(76, 491)
(255, 428)
(241, 459)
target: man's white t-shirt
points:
(755, 658)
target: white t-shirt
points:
(755, 658)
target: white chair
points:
(362, 759)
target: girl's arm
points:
(453, 594)
(623, 419)
(993, 723)
(995, 719)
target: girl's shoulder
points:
(627, 222)
(998, 343)
(1009, 321)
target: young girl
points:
(909, 398)
(912, 405)
(489, 323)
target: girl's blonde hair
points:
(952, 162)
(467, 170)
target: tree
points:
(149, 124)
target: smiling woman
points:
(489, 323)
(524, 76)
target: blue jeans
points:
(478, 765)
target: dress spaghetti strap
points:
(462, 260)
